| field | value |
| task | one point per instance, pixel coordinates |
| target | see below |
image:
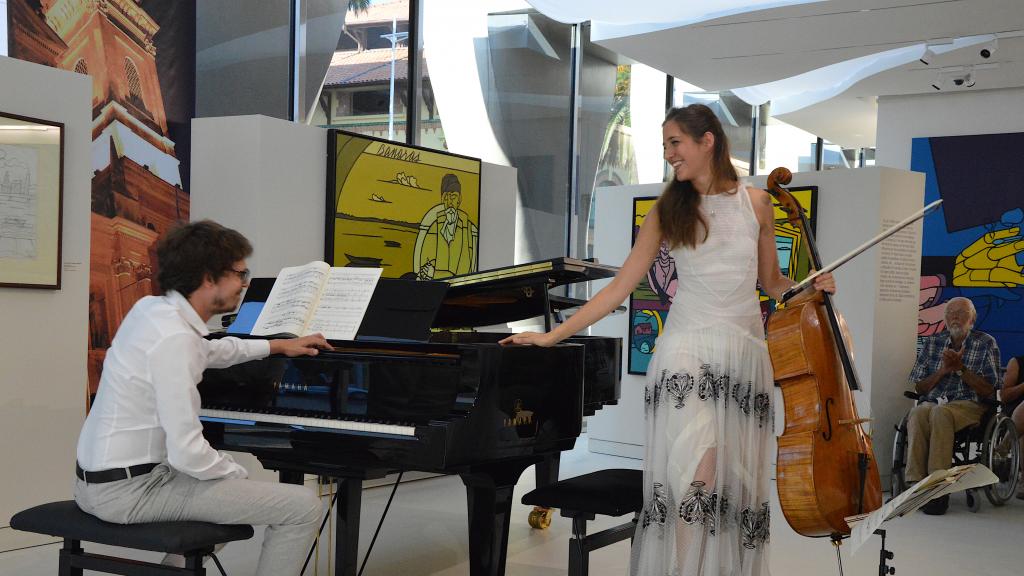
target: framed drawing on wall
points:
(31, 196)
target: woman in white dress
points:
(708, 396)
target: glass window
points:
(735, 115)
(785, 145)
(835, 156)
(242, 58)
(369, 102)
(366, 86)
(497, 78)
(620, 135)
(867, 156)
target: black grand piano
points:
(407, 396)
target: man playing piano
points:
(141, 453)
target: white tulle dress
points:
(708, 411)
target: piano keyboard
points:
(305, 421)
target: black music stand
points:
(401, 311)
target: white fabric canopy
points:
(677, 12)
(796, 92)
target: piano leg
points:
(489, 499)
(346, 528)
(547, 469)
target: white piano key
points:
(334, 424)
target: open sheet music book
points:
(938, 483)
(317, 298)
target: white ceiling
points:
(769, 45)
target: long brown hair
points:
(678, 208)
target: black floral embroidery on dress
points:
(706, 382)
(700, 507)
(652, 396)
(722, 386)
(723, 511)
(657, 509)
(678, 386)
(762, 408)
(743, 401)
(755, 526)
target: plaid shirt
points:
(981, 356)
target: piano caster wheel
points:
(540, 518)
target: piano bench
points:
(612, 492)
(194, 540)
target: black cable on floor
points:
(381, 523)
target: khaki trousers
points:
(931, 428)
(291, 513)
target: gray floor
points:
(425, 533)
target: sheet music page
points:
(938, 483)
(343, 302)
(292, 299)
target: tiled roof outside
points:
(369, 66)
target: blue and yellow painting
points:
(411, 211)
(972, 246)
(650, 301)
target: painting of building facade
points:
(411, 211)
(141, 57)
(972, 245)
(650, 301)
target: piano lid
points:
(512, 293)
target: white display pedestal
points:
(267, 178)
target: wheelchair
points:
(993, 442)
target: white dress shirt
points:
(147, 405)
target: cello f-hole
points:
(828, 418)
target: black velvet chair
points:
(612, 492)
(194, 540)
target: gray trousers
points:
(290, 512)
(931, 428)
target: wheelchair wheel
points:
(1001, 453)
(898, 477)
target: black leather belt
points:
(112, 475)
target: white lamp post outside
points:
(395, 37)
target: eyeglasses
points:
(243, 275)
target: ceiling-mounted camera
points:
(959, 81)
(989, 49)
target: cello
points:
(825, 466)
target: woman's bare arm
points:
(639, 261)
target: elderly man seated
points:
(955, 369)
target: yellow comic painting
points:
(413, 212)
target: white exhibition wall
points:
(43, 378)
(903, 118)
